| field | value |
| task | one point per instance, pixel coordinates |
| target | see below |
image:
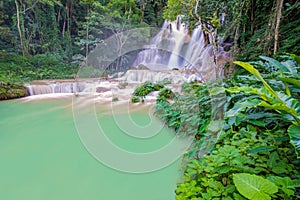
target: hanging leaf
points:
(294, 132)
(254, 187)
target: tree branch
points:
(24, 11)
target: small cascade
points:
(175, 76)
(39, 89)
(45, 87)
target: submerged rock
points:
(102, 89)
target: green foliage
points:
(166, 93)
(254, 187)
(243, 151)
(146, 88)
(64, 29)
(41, 66)
(88, 35)
(294, 132)
(135, 99)
(190, 113)
(285, 104)
(115, 99)
(259, 136)
(9, 90)
(250, 24)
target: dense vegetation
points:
(44, 39)
(256, 27)
(63, 32)
(10, 90)
(246, 128)
(258, 144)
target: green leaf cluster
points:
(146, 88)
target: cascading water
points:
(50, 87)
(165, 47)
(173, 47)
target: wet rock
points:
(102, 89)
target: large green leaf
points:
(291, 81)
(294, 132)
(256, 73)
(297, 58)
(254, 187)
(285, 67)
(241, 106)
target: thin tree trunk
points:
(87, 38)
(252, 16)
(269, 35)
(235, 40)
(87, 46)
(58, 17)
(279, 14)
(64, 24)
(19, 27)
(70, 17)
(143, 11)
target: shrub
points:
(135, 99)
(114, 99)
(146, 88)
(166, 92)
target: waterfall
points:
(174, 47)
(176, 76)
(164, 48)
(51, 87)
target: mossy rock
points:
(142, 67)
(12, 90)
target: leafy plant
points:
(166, 92)
(259, 113)
(254, 187)
(147, 87)
(114, 99)
(135, 99)
(286, 105)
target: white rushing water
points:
(174, 47)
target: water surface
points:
(42, 157)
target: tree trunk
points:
(143, 12)
(269, 35)
(19, 27)
(70, 17)
(65, 22)
(252, 16)
(87, 38)
(279, 14)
